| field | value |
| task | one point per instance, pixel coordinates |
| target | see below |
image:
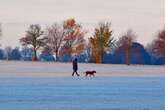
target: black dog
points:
(90, 73)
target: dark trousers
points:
(75, 71)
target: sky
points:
(144, 17)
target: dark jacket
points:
(75, 65)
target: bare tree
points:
(33, 38)
(159, 43)
(55, 36)
(125, 42)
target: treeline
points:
(61, 42)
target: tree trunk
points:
(35, 55)
(128, 56)
(102, 55)
(57, 56)
(7, 56)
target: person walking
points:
(75, 67)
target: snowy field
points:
(68, 93)
(49, 86)
(45, 69)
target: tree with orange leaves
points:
(101, 41)
(74, 42)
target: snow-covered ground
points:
(46, 69)
(49, 86)
(68, 93)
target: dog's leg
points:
(86, 74)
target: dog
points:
(90, 73)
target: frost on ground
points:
(68, 93)
(45, 69)
(49, 86)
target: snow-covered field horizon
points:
(53, 69)
(49, 86)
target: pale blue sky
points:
(145, 17)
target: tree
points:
(8, 51)
(89, 51)
(138, 55)
(149, 48)
(33, 38)
(15, 54)
(26, 53)
(101, 41)
(74, 42)
(55, 37)
(126, 42)
(159, 44)
(83, 57)
(46, 54)
(2, 54)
